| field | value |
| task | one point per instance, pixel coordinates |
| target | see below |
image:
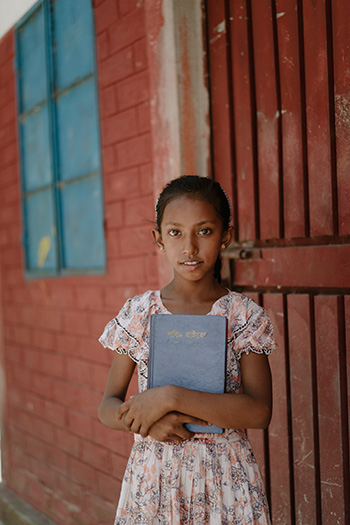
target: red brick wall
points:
(56, 454)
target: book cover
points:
(189, 351)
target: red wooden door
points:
(279, 79)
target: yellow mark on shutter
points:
(43, 250)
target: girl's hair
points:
(198, 188)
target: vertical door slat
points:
(242, 93)
(293, 180)
(221, 107)
(317, 113)
(278, 429)
(341, 47)
(267, 115)
(302, 408)
(329, 408)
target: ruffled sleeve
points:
(128, 332)
(253, 330)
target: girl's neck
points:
(191, 297)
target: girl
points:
(174, 476)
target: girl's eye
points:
(205, 231)
(173, 233)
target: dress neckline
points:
(208, 313)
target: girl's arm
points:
(118, 380)
(169, 428)
(251, 409)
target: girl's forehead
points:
(189, 207)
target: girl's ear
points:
(226, 238)
(158, 239)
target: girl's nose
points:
(190, 246)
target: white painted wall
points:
(11, 11)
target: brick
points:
(89, 298)
(96, 456)
(8, 214)
(79, 424)
(119, 127)
(109, 160)
(146, 181)
(41, 385)
(9, 154)
(57, 459)
(136, 240)
(124, 270)
(60, 294)
(21, 335)
(108, 105)
(102, 41)
(133, 91)
(82, 473)
(127, 30)
(44, 339)
(75, 322)
(143, 117)
(134, 151)
(122, 184)
(69, 490)
(7, 47)
(13, 275)
(119, 464)
(8, 134)
(48, 319)
(80, 371)
(151, 270)
(113, 244)
(59, 509)
(68, 442)
(46, 363)
(107, 485)
(105, 14)
(9, 175)
(116, 67)
(67, 344)
(139, 210)
(115, 296)
(114, 215)
(44, 474)
(125, 6)
(12, 255)
(140, 55)
(99, 510)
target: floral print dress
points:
(210, 479)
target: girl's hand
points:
(171, 427)
(141, 411)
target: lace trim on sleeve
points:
(255, 334)
(109, 339)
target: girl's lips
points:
(191, 265)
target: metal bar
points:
(62, 183)
(58, 93)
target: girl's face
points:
(192, 237)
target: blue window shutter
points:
(79, 179)
(40, 239)
(59, 135)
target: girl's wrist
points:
(172, 398)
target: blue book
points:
(189, 351)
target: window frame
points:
(56, 185)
